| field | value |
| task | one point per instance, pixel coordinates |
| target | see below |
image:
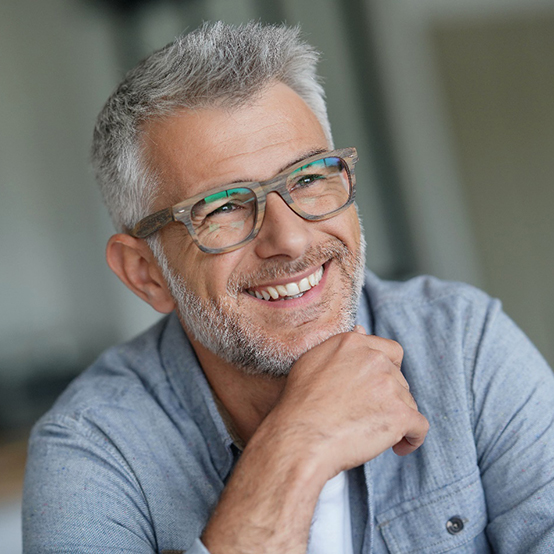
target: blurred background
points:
(451, 106)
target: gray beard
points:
(236, 338)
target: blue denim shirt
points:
(134, 455)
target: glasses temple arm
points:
(152, 223)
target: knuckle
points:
(349, 339)
(380, 358)
(397, 353)
(389, 386)
(399, 350)
(425, 423)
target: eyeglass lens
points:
(228, 217)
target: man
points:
(268, 412)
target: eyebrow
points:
(304, 156)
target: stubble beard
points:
(237, 339)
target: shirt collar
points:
(194, 393)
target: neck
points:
(247, 398)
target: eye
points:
(227, 208)
(306, 180)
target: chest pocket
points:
(442, 521)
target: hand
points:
(345, 402)
(350, 402)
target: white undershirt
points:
(331, 531)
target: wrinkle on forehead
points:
(195, 150)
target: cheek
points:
(346, 227)
(209, 274)
(354, 224)
(206, 274)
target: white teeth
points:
(273, 293)
(304, 285)
(281, 290)
(290, 290)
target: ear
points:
(133, 262)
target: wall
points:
(468, 86)
(498, 77)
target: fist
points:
(350, 402)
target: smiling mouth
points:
(287, 291)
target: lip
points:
(306, 298)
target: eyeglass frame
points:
(181, 211)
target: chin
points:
(272, 356)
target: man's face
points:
(195, 151)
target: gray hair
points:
(215, 65)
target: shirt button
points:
(455, 525)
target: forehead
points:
(195, 150)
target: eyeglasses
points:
(224, 219)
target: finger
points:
(407, 397)
(402, 380)
(404, 447)
(394, 368)
(390, 348)
(413, 439)
(395, 353)
(359, 329)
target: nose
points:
(283, 232)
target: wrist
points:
(269, 501)
(293, 441)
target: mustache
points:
(314, 255)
